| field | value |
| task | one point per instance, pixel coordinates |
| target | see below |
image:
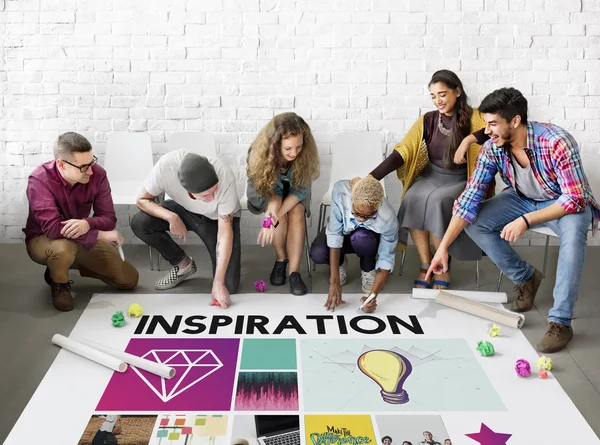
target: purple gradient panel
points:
(203, 381)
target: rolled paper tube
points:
(482, 297)
(90, 353)
(139, 362)
(501, 316)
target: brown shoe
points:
(61, 296)
(556, 338)
(526, 293)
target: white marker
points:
(120, 249)
(367, 301)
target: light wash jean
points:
(572, 231)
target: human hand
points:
(514, 230)
(177, 227)
(439, 263)
(111, 237)
(334, 299)
(220, 294)
(74, 228)
(460, 157)
(371, 306)
(266, 234)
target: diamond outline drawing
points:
(152, 355)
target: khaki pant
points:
(102, 261)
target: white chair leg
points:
(499, 281)
(319, 224)
(401, 268)
(546, 255)
(477, 274)
(307, 246)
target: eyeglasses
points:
(83, 168)
(363, 216)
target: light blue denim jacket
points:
(342, 222)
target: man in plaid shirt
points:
(547, 186)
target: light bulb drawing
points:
(389, 370)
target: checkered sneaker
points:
(176, 276)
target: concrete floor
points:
(28, 321)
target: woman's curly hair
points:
(265, 160)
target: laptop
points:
(278, 430)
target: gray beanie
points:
(196, 173)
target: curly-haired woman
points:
(282, 164)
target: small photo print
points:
(412, 430)
(190, 429)
(115, 429)
(266, 429)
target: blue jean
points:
(572, 231)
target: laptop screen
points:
(270, 425)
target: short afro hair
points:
(367, 191)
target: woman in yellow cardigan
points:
(426, 163)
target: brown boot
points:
(526, 293)
(61, 296)
(556, 338)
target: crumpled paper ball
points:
(523, 368)
(260, 286)
(544, 363)
(135, 310)
(494, 331)
(267, 222)
(543, 374)
(485, 348)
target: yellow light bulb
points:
(389, 370)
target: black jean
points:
(153, 231)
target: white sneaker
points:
(176, 276)
(343, 277)
(367, 280)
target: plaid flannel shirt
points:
(556, 163)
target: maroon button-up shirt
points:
(52, 200)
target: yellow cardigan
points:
(413, 150)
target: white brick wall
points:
(227, 66)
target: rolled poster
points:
(90, 353)
(139, 362)
(501, 316)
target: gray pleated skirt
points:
(428, 204)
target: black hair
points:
(506, 102)
(461, 118)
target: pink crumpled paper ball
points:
(267, 222)
(522, 367)
(260, 286)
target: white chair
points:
(128, 162)
(591, 164)
(199, 142)
(353, 154)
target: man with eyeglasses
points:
(60, 233)
(363, 222)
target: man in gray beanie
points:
(201, 196)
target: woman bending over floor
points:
(426, 163)
(282, 164)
